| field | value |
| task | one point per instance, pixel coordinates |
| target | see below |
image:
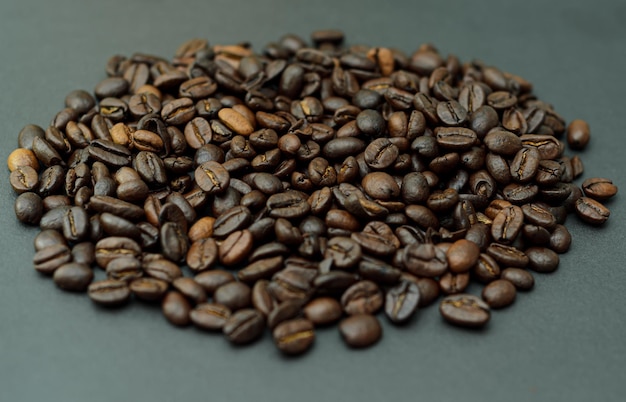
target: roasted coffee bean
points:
(454, 283)
(599, 189)
(73, 276)
(210, 316)
(234, 295)
(520, 278)
(578, 134)
(109, 292)
(148, 289)
(111, 248)
(23, 179)
(323, 311)
(425, 260)
(212, 177)
(28, 208)
(541, 259)
(174, 241)
(362, 298)
(507, 224)
(47, 238)
(176, 308)
(124, 269)
(507, 255)
(465, 310)
(591, 211)
(162, 269)
(294, 337)
(244, 326)
(499, 293)
(213, 279)
(284, 311)
(486, 268)
(560, 239)
(360, 330)
(202, 254)
(401, 301)
(462, 256)
(344, 252)
(235, 248)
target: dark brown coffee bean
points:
(174, 242)
(345, 252)
(210, 316)
(401, 301)
(73, 276)
(507, 255)
(507, 224)
(190, 289)
(323, 311)
(236, 247)
(362, 298)
(244, 326)
(591, 211)
(176, 309)
(486, 269)
(465, 310)
(578, 134)
(542, 259)
(213, 279)
(212, 177)
(47, 238)
(525, 165)
(162, 269)
(454, 283)
(560, 239)
(499, 293)
(148, 289)
(202, 254)
(520, 278)
(425, 260)
(28, 208)
(259, 269)
(360, 330)
(124, 269)
(109, 292)
(23, 179)
(502, 142)
(236, 218)
(294, 336)
(234, 295)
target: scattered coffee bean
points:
(499, 293)
(360, 330)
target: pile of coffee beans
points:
(308, 185)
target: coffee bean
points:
(294, 337)
(124, 269)
(360, 330)
(599, 189)
(499, 293)
(109, 292)
(28, 208)
(73, 276)
(521, 279)
(465, 310)
(51, 257)
(401, 301)
(244, 326)
(210, 316)
(190, 289)
(176, 308)
(234, 295)
(148, 289)
(578, 134)
(591, 211)
(362, 298)
(462, 256)
(542, 259)
(323, 311)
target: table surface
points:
(562, 341)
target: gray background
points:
(563, 341)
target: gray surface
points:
(563, 341)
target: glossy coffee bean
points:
(244, 326)
(294, 337)
(176, 308)
(360, 330)
(109, 292)
(73, 276)
(465, 310)
(499, 293)
(402, 301)
(520, 278)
